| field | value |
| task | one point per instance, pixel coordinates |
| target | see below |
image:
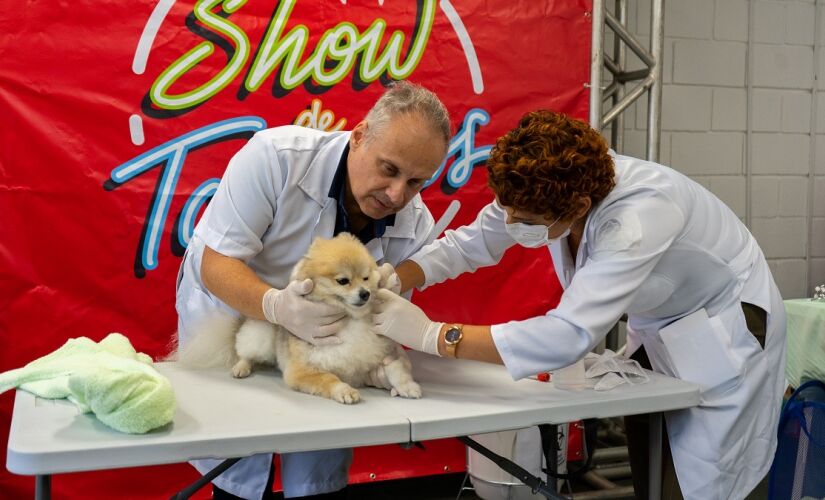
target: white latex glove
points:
(404, 322)
(314, 322)
(389, 279)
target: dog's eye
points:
(343, 281)
(367, 278)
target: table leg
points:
(205, 479)
(655, 462)
(550, 439)
(512, 468)
(43, 487)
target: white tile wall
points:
(778, 153)
(709, 62)
(705, 119)
(731, 190)
(766, 110)
(793, 196)
(781, 237)
(819, 197)
(789, 275)
(820, 112)
(731, 20)
(765, 196)
(817, 271)
(784, 66)
(707, 153)
(819, 155)
(821, 66)
(686, 107)
(818, 243)
(799, 23)
(730, 109)
(693, 19)
(796, 111)
(768, 21)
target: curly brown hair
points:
(547, 163)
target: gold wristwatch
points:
(452, 337)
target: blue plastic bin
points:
(798, 469)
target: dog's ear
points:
(299, 272)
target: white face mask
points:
(533, 235)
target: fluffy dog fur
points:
(345, 275)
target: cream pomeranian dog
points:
(344, 274)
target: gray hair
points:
(403, 97)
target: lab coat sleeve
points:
(424, 224)
(479, 244)
(627, 243)
(244, 205)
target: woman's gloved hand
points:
(314, 322)
(404, 322)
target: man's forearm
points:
(232, 281)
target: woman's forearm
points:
(476, 344)
(411, 275)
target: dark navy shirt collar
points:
(337, 191)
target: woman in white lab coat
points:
(626, 236)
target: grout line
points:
(812, 148)
(749, 118)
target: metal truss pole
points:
(620, 58)
(654, 97)
(649, 79)
(596, 64)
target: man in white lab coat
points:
(626, 236)
(285, 187)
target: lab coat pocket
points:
(199, 303)
(193, 305)
(700, 352)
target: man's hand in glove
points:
(314, 322)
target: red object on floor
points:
(393, 461)
(378, 463)
(575, 451)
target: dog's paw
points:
(344, 393)
(242, 369)
(409, 390)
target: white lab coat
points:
(271, 203)
(662, 249)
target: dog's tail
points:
(211, 345)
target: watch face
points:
(452, 335)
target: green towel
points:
(119, 385)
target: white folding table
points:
(218, 416)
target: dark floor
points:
(441, 487)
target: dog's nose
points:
(364, 295)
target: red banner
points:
(118, 118)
